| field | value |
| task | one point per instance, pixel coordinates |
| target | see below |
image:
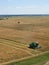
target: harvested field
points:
(15, 38)
(8, 53)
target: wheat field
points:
(15, 37)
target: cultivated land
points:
(15, 39)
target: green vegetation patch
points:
(39, 60)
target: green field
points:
(39, 60)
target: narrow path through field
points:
(5, 63)
(47, 63)
(17, 46)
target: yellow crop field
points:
(16, 33)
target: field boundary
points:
(5, 63)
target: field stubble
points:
(15, 38)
